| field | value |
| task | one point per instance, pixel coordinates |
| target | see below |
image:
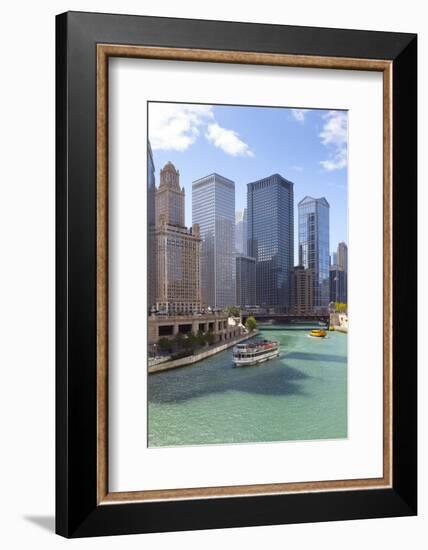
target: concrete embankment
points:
(339, 321)
(191, 359)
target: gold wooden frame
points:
(104, 51)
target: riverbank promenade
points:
(200, 355)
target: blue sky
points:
(308, 147)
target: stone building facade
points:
(302, 290)
(178, 285)
(222, 327)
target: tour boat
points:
(318, 333)
(254, 352)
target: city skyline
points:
(276, 281)
(244, 144)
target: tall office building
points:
(302, 290)
(333, 258)
(241, 231)
(338, 285)
(178, 281)
(213, 209)
(151, 220)
(245, 280)
(314, 245)
(339, 275)
(270, 204)
(170, 197)
(342, 256)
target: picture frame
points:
(84, 44)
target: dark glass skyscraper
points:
(338, 285)
(270, 218)
(245, 280)
(314, 245)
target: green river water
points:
(301, 395)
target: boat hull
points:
(318, 333)
(249, 362)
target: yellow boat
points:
(318, 333)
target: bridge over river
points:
(288, 318)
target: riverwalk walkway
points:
(191, 359)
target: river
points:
(301, 395)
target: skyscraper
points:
(241, 231)
(302, 290)
(314, 245)
(245, 280)
(213, 209)
(270, 203)
(339, 275)
(170, 197)
(342, 256)
(338, 285)
(177, 249)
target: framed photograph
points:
(236, 274)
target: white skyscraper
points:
(241, 231)
(213, 208)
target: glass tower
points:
(245, 280)
(338, 285)
(213, 209)
(270, 233)
(314, 246)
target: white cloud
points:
(227, 140)
(297, 168)
(175, 127)
(299, 114)
(334, 135)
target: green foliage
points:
(250, 323)
(164, 344)
(193, 339)
(200, 338)
(178, 340)
(184, 345)
(233, 311)
(188, 342)
(341, 307)
(209, 338)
